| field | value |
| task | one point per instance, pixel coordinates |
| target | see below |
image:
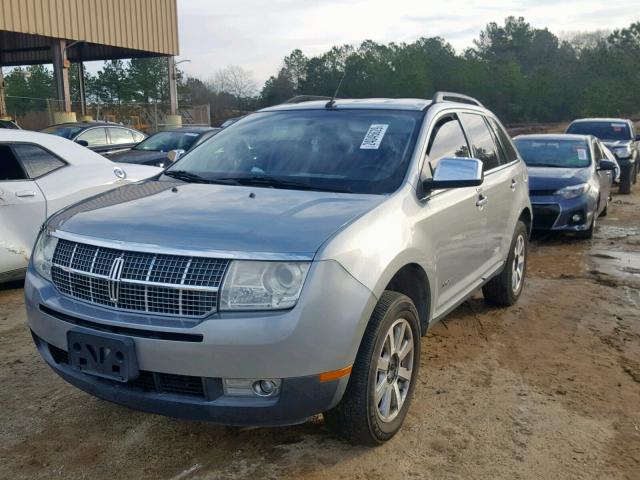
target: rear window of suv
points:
(602, 130)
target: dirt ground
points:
(549, 388)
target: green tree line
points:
(522, 73)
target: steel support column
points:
(61, 73)
(173, 85)
(81, 87)
(3, 105)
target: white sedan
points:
(41, 174)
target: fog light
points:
(576, 218)
(264, 388)
(251, 387)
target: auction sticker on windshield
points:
(582, 154)
(374, 136)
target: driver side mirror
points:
(84, 143)
(175, 155)
(455, 172)
(606, 165)
(638, 137)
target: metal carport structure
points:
(64, 31)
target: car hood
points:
(551, 178)
(215, 217)
(138, 156)
(617, 143)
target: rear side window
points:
(481, 140)
(36, 160)
(120, 136)
(10, 168)
(94, 137)
(447, 140)
(510, 153)
(137, 136)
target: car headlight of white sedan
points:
(573, 191)
(262, 285)
(42, 256)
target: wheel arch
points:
(527, 218)
(412, 280)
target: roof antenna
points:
(331, 103)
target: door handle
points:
(482, 201)
(25, 193)
(514, 182)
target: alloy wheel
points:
(517, 268)
(394, 370)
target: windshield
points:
(65, 132)
(167, 141)
(602, 130)
(554, 153)
(360, 151)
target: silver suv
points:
(288, 266)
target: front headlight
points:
(622, 152)
(255, 285)
(42, 256)
(573, 191)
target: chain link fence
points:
(38, 113)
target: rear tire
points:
(505, 289)
(376, 400)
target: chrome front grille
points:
(144, 282)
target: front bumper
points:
(299, 398)
(555, 213)
(321, 334)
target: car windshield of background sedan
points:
(356, 151)
(601, 130)
(167, 141)
(65, 132)
(554, 153)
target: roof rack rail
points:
(439, 97)
(305, 98)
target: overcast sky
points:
(257, 34)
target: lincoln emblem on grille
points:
(114, 278)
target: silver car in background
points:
(288, 266)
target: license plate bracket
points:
(103, 355)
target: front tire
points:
(626, 178)
(505, 289)
(384, 375)
(588, 234)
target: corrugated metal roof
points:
(149, 26)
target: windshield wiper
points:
(195, 178)
(275, 182)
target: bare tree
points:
(585, 40)
(235, 81)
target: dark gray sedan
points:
(154, 150)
